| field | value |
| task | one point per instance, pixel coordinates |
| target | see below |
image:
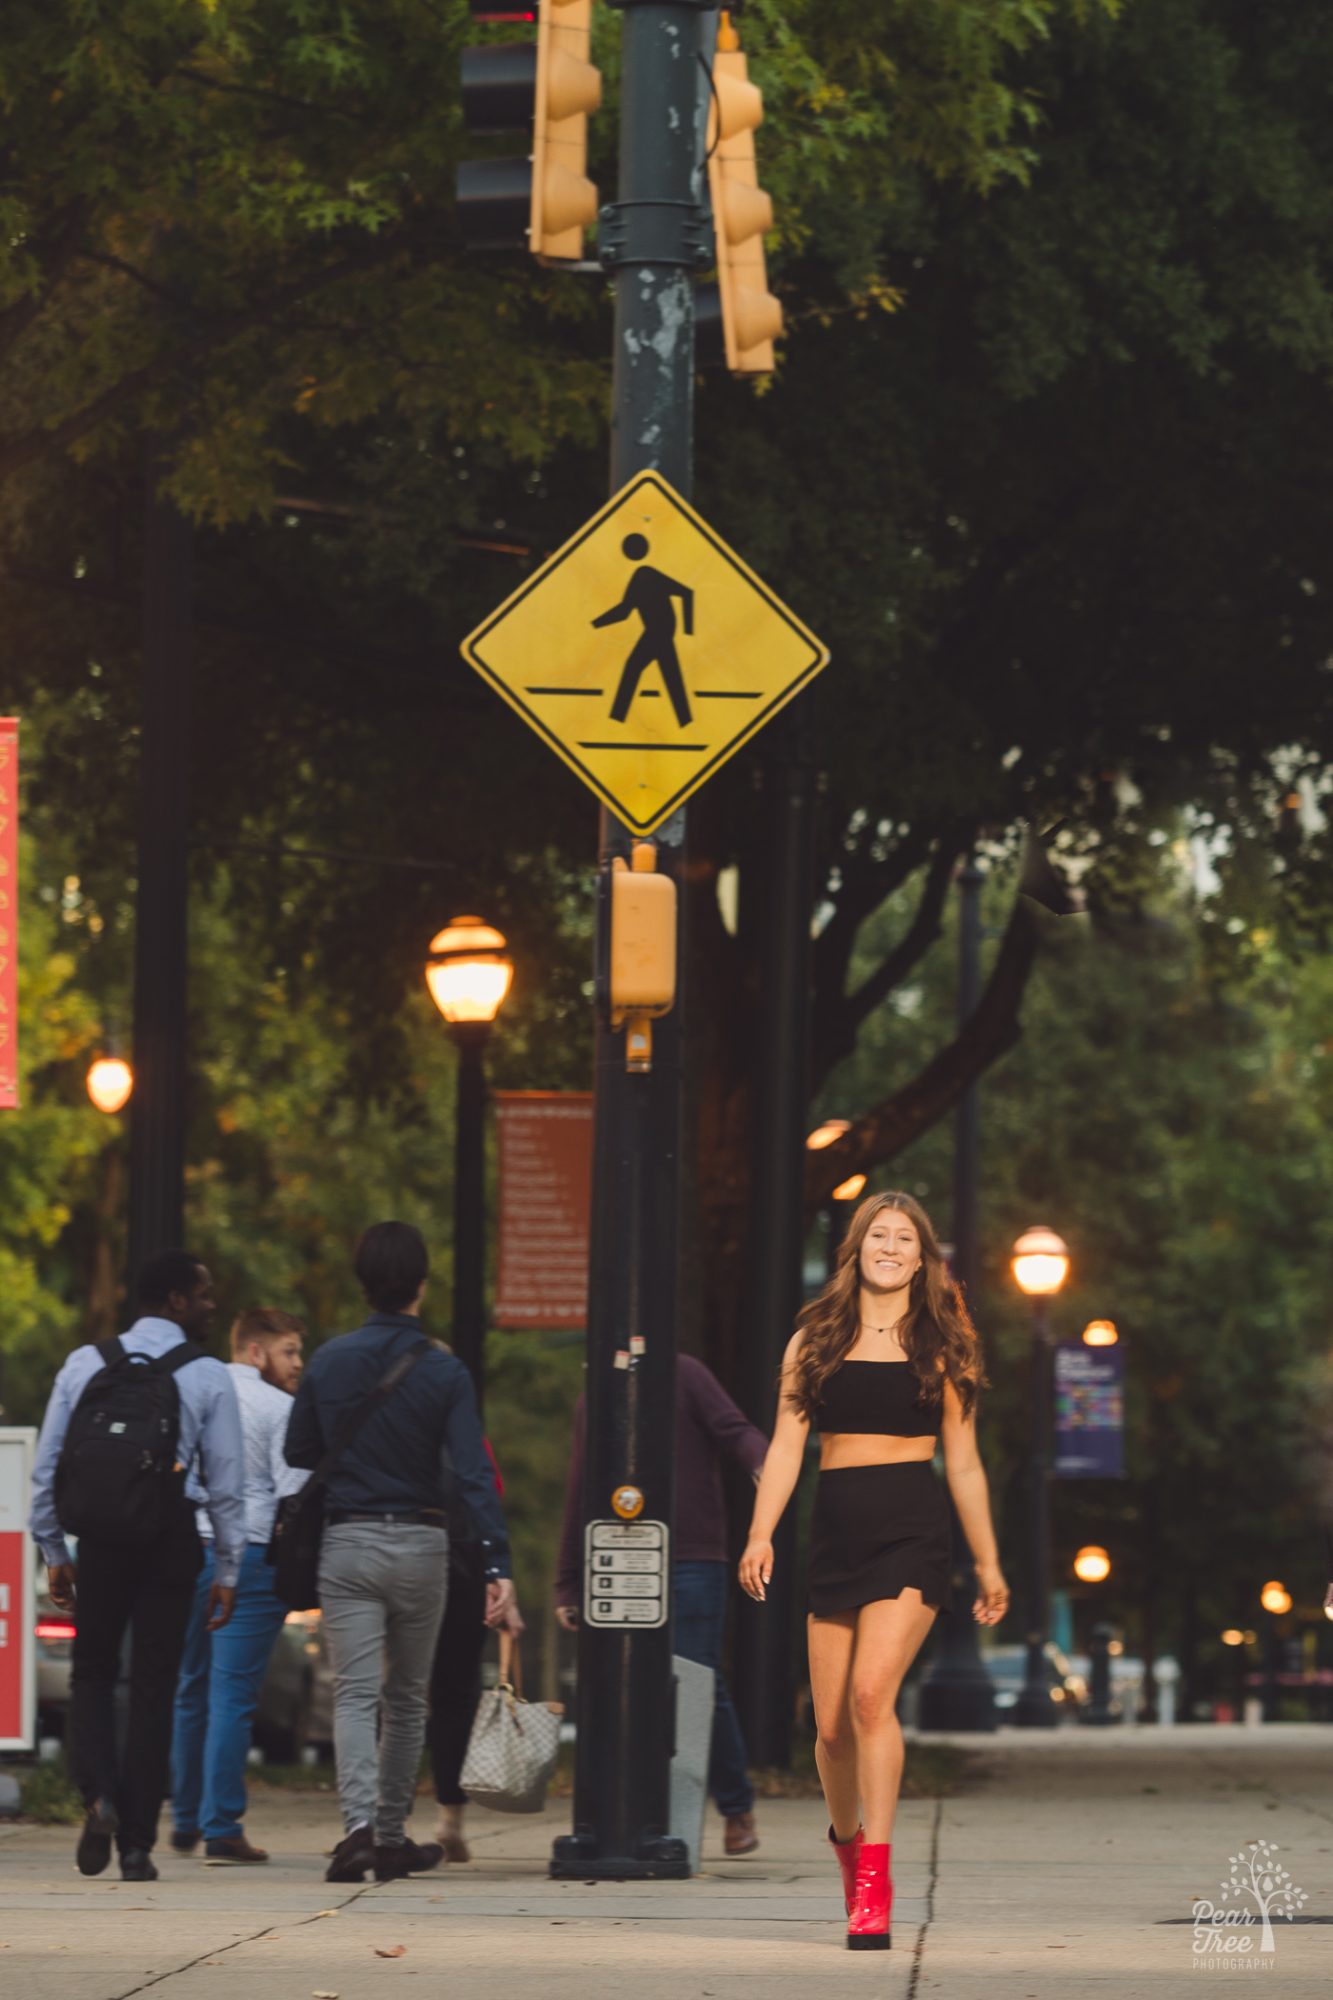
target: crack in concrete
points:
(919, 1948)
(218, 1950)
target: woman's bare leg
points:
(889, 1634)
(831, 1643)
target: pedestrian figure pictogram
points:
(645, 717)
(649, 595)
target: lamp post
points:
(1276, 1601)
(957, 1692)
(469, 973)
(1040, 1267)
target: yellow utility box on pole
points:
(643, 950)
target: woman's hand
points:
(756, 1568)
(992, 1599)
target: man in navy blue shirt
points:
(384, 1564)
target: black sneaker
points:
(136, 1866)
(353, 1857)
(185, 1840)
(99, 1830)
(408, 1858)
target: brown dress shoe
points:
(739, 1836)
(236, 1850)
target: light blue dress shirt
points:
(265, 1414)
(210, 1436)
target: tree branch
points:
(882, 1132)
(16, 319)
(840, 1017)
(865, 884)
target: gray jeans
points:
(382, 1589)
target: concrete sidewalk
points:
(1070, 1869)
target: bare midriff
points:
(840, 1449)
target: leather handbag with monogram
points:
(512, 1750)
(298, 1529)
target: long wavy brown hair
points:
(937, 1324)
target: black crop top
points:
(876, 1397)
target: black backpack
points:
(117, 1478)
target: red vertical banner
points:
(18, 1661)
(9, 925)
(545, 1205)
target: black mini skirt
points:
(876, 1530)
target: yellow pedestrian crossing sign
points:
(645, 652)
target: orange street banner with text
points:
(9, 874)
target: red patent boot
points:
(847, 1851)
(868, 1929)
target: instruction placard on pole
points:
(625, 1573)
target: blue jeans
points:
(216, 1697)
(701, 1614)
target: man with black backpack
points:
(138, 1431)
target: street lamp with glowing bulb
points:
(1092, 1565)
(469, 973)
(1100, 1333)
(110, 1081)
(1040, 1267)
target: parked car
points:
(1007, 1667)
(295, 1703)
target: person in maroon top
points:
(708, 1427)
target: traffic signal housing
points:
(742, 215)
(542, 199)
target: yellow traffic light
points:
(543, 197)
(569, 87)
(742, 212)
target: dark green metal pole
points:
(762, 1681)
(1034, 1708)
(469, 1325)
(650, 241)
(957, 1693)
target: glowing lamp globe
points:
(1092, 1565)
(1233, 1637)
(110, 1081)
(1275, 1597)
(1040, 1263)
(1100, 1333)
(469, 971)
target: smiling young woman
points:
(883, 1363)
